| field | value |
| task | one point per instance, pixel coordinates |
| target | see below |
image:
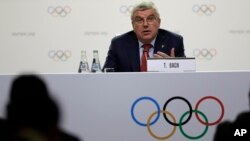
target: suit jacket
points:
(123, 54)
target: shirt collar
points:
(152, 43)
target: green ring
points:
(195, 137)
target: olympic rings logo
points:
(174, 122)
(204, 9)
(126, 9)
(61, 11)
(204, 53)
(59, 55)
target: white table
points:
(98, 106)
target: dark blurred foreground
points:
(31, 113)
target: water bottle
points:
(84, 66)
(96, 66)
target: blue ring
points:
(157, 106)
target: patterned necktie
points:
(144, 57)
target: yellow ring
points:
(150, 131)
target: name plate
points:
(181, 64)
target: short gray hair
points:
(144, 6)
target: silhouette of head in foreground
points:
(32, 114)
(228, 130)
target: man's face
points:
(146, 24)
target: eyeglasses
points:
(140, 20)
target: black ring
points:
(190, 110)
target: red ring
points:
(222, 110)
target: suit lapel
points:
(161, 43)
(133, 53)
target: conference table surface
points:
(131, 106)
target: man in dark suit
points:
(125, 51)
